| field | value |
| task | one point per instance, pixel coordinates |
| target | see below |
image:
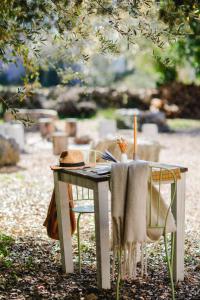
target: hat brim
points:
(56, 167)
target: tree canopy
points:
(84, 27)
(99, 25)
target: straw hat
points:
(71, 159)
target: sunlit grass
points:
(183, 124)
(175, 124)
(5, 244)
(109, 113)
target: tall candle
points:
(135, 136)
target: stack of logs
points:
(180, 100)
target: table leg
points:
(178, 210)
(64, 226)
(102, 234)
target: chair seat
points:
(84, 209)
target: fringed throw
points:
(129, 189)
(130, 203)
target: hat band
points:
(79, 164)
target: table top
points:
(86, 173)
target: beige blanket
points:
(130, 204)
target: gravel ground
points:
(35, 274)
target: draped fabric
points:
(51, 222)
(130, 200)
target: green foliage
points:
(185, 15)
(189, 50)
(166, 73)
(83, 28)
(108, 113)
(5, 245)
(25, 26)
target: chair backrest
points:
(158, 210)
(80, 193)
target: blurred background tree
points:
(185, 52)
(63, 41)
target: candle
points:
(135, 136)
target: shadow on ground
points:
(31, 270)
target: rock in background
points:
(125, 119)
(9, 152)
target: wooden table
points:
(99, 185)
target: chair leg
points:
(79, 244)
(169, 264)
(172, 249)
